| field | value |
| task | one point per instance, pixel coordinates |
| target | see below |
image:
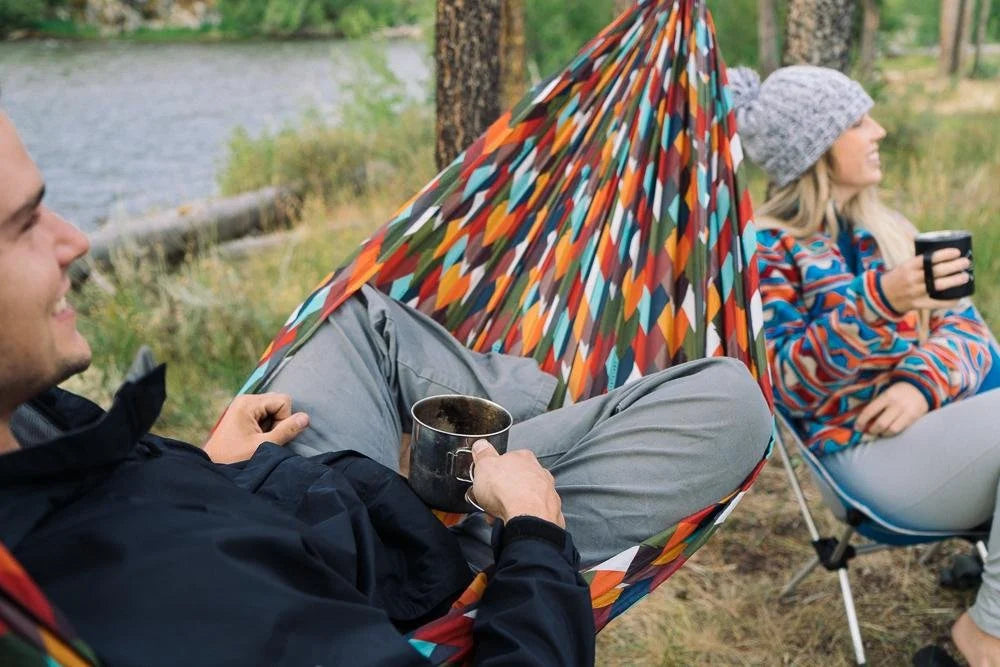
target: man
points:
(160, 555)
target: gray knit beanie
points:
(787, 123)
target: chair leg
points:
(852, 617)
(803, 572)
(793, 480)
(931, 553)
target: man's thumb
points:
(481, 449)
(285, 430)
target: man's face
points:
(39, 343)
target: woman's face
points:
(856, 163)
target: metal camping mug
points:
(444, 428)
(927, 242)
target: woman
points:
(870, 369)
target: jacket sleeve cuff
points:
(535, 530)
(874, 304)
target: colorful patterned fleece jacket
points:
(834, 342)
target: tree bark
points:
(467, 58)
(984, 17)
(956, 18)
(819, 32)
(868, 49)
(512, 52)
(767, 36)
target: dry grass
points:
(723, 607)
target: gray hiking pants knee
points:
(627, 464)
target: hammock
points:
(601, 227)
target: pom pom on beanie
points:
(791, 119)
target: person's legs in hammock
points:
(633, 462)
(362, 370)
(628, 464)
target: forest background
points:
(211, 316)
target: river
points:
(122, 128)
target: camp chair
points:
(835, 553)
(601, 227)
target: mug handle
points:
(929, 273)
(457, 470)
(452, 458)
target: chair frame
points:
(834, 553)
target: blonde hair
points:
(805, 207)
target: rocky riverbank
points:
(118, 16)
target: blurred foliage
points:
(919, 20)
(736, 27)
(26, 14)
(350, 18)
(556, 29)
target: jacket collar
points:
(105, 441)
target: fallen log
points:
(179, 232)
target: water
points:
(120, 128)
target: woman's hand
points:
(906, 290)
(242, 429)
(514, 484)
(892, 411)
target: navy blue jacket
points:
(160, 557)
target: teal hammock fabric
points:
(601, 227)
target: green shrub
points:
(20, 14)
(355, 21)
(351, 18)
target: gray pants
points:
(942, 473)
(627, 464)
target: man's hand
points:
(892, 411)
(906, 290)
(250, 420)
(514, 484)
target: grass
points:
(213, 316)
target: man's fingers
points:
(286, 429)
(482, 450)
(275, 406)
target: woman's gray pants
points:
(627, 464)
(942, 473)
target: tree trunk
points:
(984, 17)
(467, 59)
(512, 52)
(868, 48)
(819, 32)
(956, 18)
(767, 36)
